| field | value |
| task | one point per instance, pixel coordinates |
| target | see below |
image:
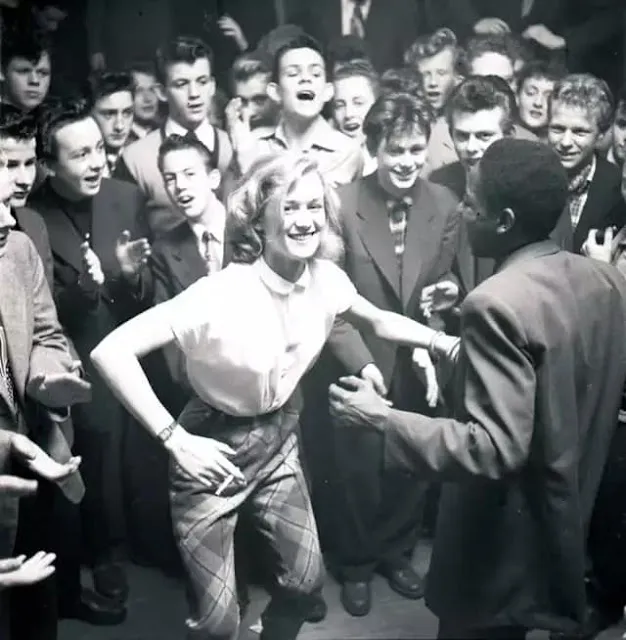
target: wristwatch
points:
(166, 433)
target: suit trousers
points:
(379, 512)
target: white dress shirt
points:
(347, 9)
(213, 222)
(249, 336)
(204, 131)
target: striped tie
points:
(6, 377)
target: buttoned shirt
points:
(249, 335)
(347, 9)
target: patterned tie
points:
(6, 378)
(398, 216)
(208, 252)
(357, 21)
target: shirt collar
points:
(348, 5)
(213, 221)
(276, 283)
(204, 131)
(321, 136)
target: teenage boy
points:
(146, 103)
(617, 152)
(113, 107)
(184, 70)
(301, 88)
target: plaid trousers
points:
(277, 498)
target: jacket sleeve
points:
(497, 401)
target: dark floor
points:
(157, 611)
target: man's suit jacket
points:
(390, 28)
(539, 384)
(371, 264)
(34, 226)
(36, 345)
(605, 205)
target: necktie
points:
(5, 370)
(398, 216)
(209, 252)
(357, 21)
(191, 136)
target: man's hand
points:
(602, 251)
(355, 403)
(542, 35)
(14, 487)
(372, 373)
(231, 29)
(491, 25)
(39, 462)
(56, 390)
(437, 297)
(204, 459)
(91, 277)
(425, 370)
(238, 125)
(19, 572)
(132, 255)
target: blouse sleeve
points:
(340, 289)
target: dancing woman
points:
(248, 333)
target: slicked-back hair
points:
(181, 143)
(107, 83)
(482, 93)
(20, 42)
(16, 124)
(501, 43)
(586, 92)
(358, 69)
(181, 49)
(56, 117)
(541, 69)
(248, 65)
(395, 114)
(430, 45)
(299, 41)
(140, 65)
(403, 80)
(527, 177)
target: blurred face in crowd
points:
(302, 90)
(624, 181)
(146, 100)
(189, 182)
(533, 101)
(7, 222)
(20, 158)
(472, 133)
(114, 115)
(294, 224)
(619, 136)
(255, 102)
(573, 133)
(26, 84)
(401, 159)
(353, 99)
(80, 159)
(438, 76)
(189, 90)
(494, 64)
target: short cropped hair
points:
(249, 65)
(585, 91)
(432, 44)
(104, 84)
(358, 69)
(270, 178)
(181, 49)
(20, 42)
(16, 124)
(299, 41)
(142, 66)
(482, 93)
(395, 114)
(56, 117)
(527, 177)
(179, 143)
(541, 69)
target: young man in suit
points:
(400, 234)
(538, 386)
(581, 109)
(184, 69)
(99, 252)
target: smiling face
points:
(114, 115)
(80, 158)
(533, 100)
(353, 98)
(302, 89)
(21, 162)
(26, 84)
(400, 160)
(438, 77)
(189, 89)
(573, 133)
(188, 182)
(294, 224)
(472, 133)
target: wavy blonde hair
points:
(271, 178)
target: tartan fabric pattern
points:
(578, 189)
(398, 218)
(6, 378)
(278, 502)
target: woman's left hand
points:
(437, 297)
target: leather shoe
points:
(356, 598)
(317, 609)
(95, 609)
(109, 580)
(405, 582)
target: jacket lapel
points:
(187, 264)
(374, 230)
(594, 209)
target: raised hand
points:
(91, 277)
(19, 572)
(231, 29)
(440, 296)
(491, 25)
(132, 255)
(541, 34)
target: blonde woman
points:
(248, 333)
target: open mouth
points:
(352, 126)
(196, 107)
(302, 236)
(536, 114)
(20, 195)
(185, 201)
(93, 181)
(306, 94)
(434, 95)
